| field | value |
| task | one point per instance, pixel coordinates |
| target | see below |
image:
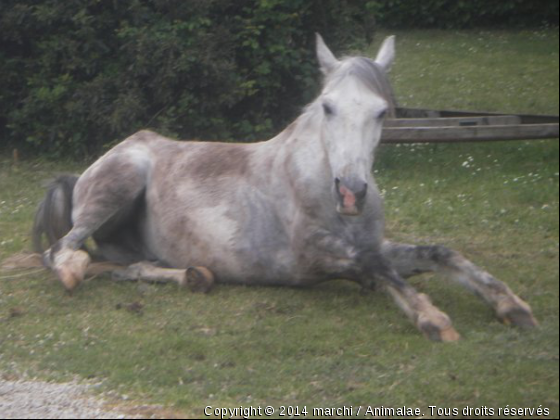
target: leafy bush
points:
(81, 74)
(78, 74)
(453, 14)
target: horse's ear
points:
(386, 54)
(327, 60)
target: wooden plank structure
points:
(414, 125)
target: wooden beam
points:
(434, 113)
(472, 133)
(454, 121)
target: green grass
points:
(331, 346)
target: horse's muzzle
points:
(351, 194)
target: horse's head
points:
(355, 100)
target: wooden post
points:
(15, 157)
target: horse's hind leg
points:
(197, 279)
(107, 187)
(410, 260)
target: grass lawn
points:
(331, 346)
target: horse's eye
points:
(328, 109)
(382, 114)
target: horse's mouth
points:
(349, 203)
(348, 211)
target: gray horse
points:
(295, 210)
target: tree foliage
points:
(455, 14)
(81, 74)
(78, 74)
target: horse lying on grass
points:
(296, 210)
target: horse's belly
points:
(239, 243)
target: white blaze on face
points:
(352, 127)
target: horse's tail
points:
(53, 218)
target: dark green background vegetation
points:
(331, 346)
(78, 75)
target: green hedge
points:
(80, 74)
(455, 14)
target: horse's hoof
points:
(516, 312)
(69, 279)
(520, 318)
(437, 333)
(71, 268)
(433, 323)
(199, 279)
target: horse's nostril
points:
(354, 186)
(363, 192)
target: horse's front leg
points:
(409, 260)
(431, 321)
(370, 268)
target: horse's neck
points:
(306, 147)
(300, 155)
